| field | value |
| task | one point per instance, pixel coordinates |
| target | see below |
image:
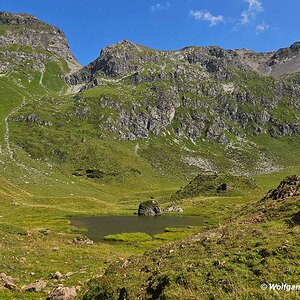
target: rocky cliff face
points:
(283, 62)
(24, 29)
(125, 57)
(197, 92)
(289, 187)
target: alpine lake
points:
(101, 226)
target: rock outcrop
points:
(284, 61)
(289, 187)
(215, 185)
(9, 282)
(37, 286)
(63, 293)
(25, 29)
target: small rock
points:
(11, 286)
(69, 274)
(173, 208)
(57, 275)
(219, 264)
(6, 278)
(63, 293)
(9, 282)
(81, 241)
(89, 242)
(37, 286)
(45, 231)
(125, 263)
(56, 248)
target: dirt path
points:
(42, 77)
(9, 150)
(7, 132)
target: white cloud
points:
(205, 15)
(160, 6)
(254, 7)
(262, 27)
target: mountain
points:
(184, 127)
(193, 86)
(125, 57)
(183, 112)
(119, 59)
(196, 95)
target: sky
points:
(261, 25)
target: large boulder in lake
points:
(149, 208)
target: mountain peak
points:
(18, 19)
(25, 29)
(123, 45)
(126, 42)
(295, 46)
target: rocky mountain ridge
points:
(125, 57)
(187, 79)
(25, 29)
(198, 104)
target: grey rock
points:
(173, 208)
(149, 208)
(35, 33)
(57, 275)
(289, 187)
(63, 293)
(9, 282)
(37, 286)
(81, 240)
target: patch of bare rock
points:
(63, 293)
(289, 187)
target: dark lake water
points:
(98, 227)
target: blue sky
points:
(261, 25)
